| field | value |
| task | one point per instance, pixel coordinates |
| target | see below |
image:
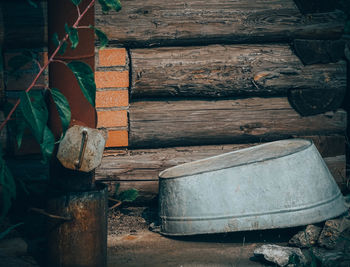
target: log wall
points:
(229, 70)
(186, 122)
(206, 77)
(178, 22)
(154, 23)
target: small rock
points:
(279, 255)
(306, 238)
(154, 228)
(331, 231)
(328, 258)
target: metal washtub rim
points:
(238, 165)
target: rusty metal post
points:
(81, 241)
(59, 13)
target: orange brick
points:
(112, 57)
(109, 79)
(117, 138)
(112, 118)
(107, 99)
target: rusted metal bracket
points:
(52, 216)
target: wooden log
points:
(229, 70)
(316, 6)
(178, 22)
(309, 102)
(22, 25)
(337, 167)
(145, 164)
(319, 51)
(171, 123)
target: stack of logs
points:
(209, 77)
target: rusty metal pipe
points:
(81, 241)
(61, 77)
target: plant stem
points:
(51, 59)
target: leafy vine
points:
(31, 111)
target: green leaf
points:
(102, 37)
(76, 2)
(63, 48)
(114, 4)
(20, 128)
(17, 125)
(73, 35)
(35, 114)
(85, 77)
(32, 3)
(105, 7)
(8, 187)
(8, 230)
(55, 39)
(48, 144)
(128, 195)
(62, 107)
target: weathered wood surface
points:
(337, 167)
(172, 123)
(311, 102)
(319, 51)
(228, 70)
(179, 22)
(23, 25)
(145, 164)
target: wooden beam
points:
(145, 164)
(172, 123)
(152, 22)
(163, 23)
(319, 51)
(337, 167)
(229, 70)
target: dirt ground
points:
(133, 240)
(132, 243)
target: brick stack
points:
(112, 96)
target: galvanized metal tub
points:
(279, 184)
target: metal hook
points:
(84, 139)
